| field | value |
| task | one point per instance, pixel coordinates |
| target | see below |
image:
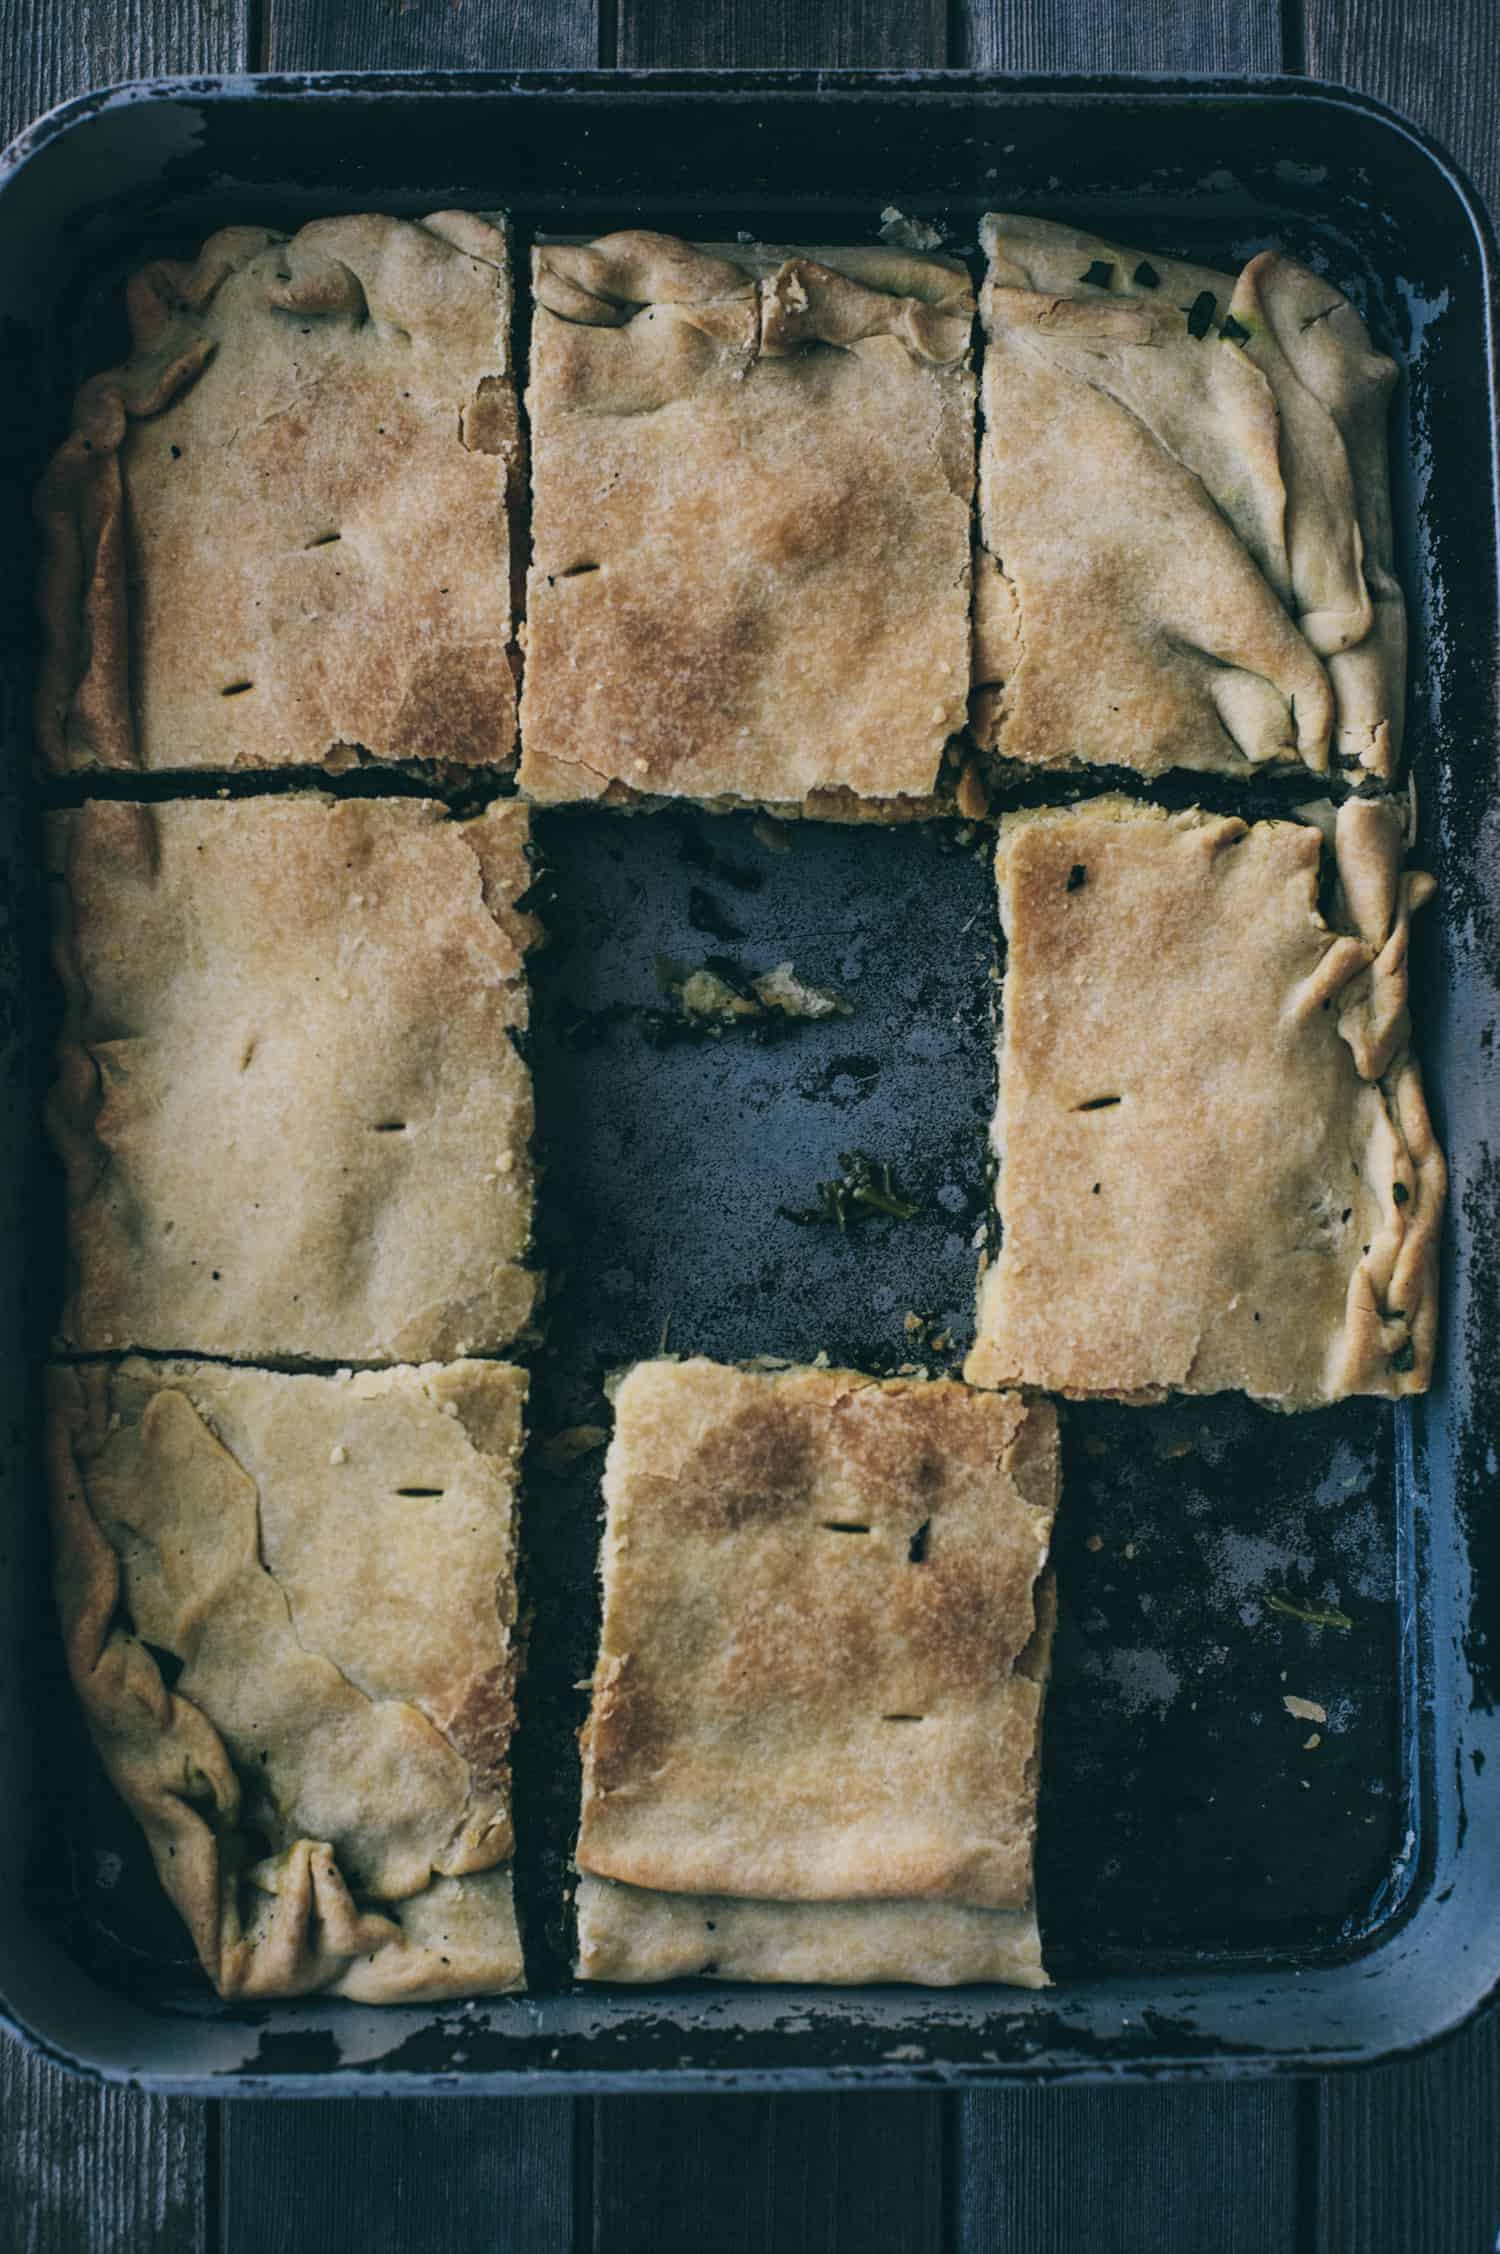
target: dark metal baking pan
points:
(1216, 1896)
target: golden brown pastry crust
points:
(630, 1935)
(325, 1786)
(752, 479)
(820, 1673)
(1185, 514)
(278, 533)
(292, 1115)
(1216, 1168)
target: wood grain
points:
(773, 2175)
(1437, 61)
(1197, 2170)
(768, 2175)
(1105, 35)
(1408, 2157)
(88, 2170)
(1209, 2170)
(50, 49)
(430, 35)
(773, 34)
(92, 2170)
(451, 2176)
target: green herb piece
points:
(1077, 875)
(1234, 332)
(865, 1186)
(1404, 1358)
(1400, 1192)
(1147, 275)
(1100, 275)
(1316, 1615)
(1200, 313)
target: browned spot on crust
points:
(480, 1727)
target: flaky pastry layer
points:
(277, 534)
(288, 1606)
(752, 476)
(1187, 553)
(1216, 1167)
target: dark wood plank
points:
(775, 34)
(1213, 2168)
(88, 2170)
(773, 2175)
(1408, 2157)
(50, 49)
(1199, 2170)
(84, 2168)
(429, 35)
(448, 2175)
(451, 2175)
(1098, 35)
(1438, 60)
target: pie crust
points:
(290, 1106)
(288, 1606)
(820, 1677)
(752, 479)
(1187, 553)
(277, 534)
(1216, 1168)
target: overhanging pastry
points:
(288, 1607)
(278, 533)
(1187, 554)
(289, 1102)
(1216, 1168)
(819, 1684)
(752, 480)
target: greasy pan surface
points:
(1214, 1894)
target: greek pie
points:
(812, 1747)
(288, 1606)
(752, 474)
(289, 1103)
(1187, 555)
(1216, 1167)
(277, 534)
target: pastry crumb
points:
(1304, 1709)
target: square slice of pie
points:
(812, 1748)
(278, 534)
(1216, 1168)
(289, 1606)
(1187, 556)
(752, 480)
(294, 1120)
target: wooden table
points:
(1406, 2158)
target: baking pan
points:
(1216, 1896)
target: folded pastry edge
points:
(169, 1764)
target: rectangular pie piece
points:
(813, 1743)
(1187, 553)
(752, 477)
(288, 1606)
(289, 1102)
(1216, 1168)
(278, 533)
